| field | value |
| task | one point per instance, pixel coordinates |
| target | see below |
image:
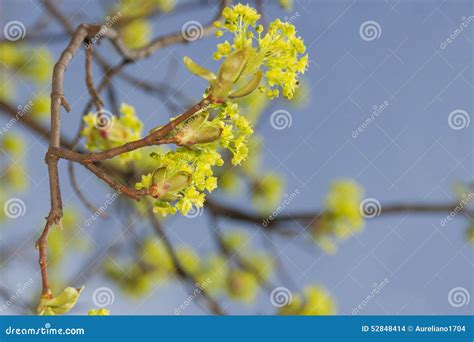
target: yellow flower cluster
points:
(40, 107)
(243, 279)
(180, 179)
(131, 18)
(33, 64)
(104, 130)
(267, 192)
(286, 4)
(182, 176)
(470, 234)
(137, 34)
(342, 216)
(279, 50)
(12, 175)
(98, 312)
(156, 265)
(236, 130)
(314, 301)
(214, 273)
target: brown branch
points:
(25, 120)
(99, 104)
(310, 216)
(83, 33)
(58, 100)
(155, 138)
(119, 187)
(159, 42)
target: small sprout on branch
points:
(61, 304)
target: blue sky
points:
(408, 153)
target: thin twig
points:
(99, 104)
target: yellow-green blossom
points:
(98, 312)
(314, 301)
(105, 131)
(61, 304)
(242, 285)
(342, 216)
(280, 51)
(137, 33)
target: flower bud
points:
(61, 304)
(165, 185)
(198, 136)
